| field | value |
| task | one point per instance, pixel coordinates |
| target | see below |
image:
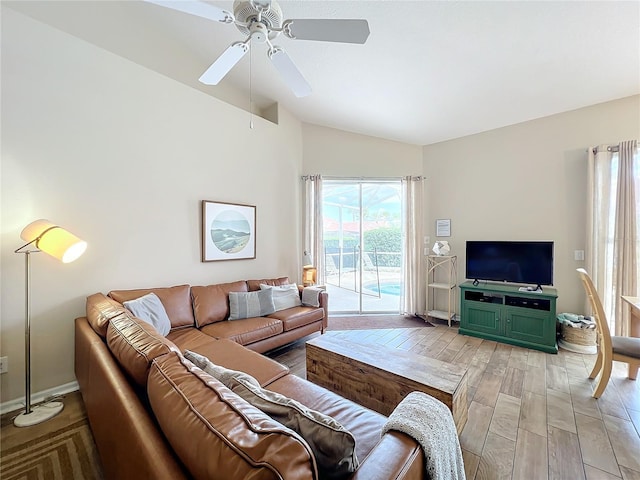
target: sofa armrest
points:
(126, 435)
(397, 456)
(324, 304)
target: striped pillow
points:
(250, 304)
(284, 296)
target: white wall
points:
(332, 152)
(526, 182)
(122, 157)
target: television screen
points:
(515, 262)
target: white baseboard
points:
(19, 404)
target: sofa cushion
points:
(135, 343)
(293, 318)
(101, 309)
(224, 374)
(246, 331)
(176, 301)
(332, 445)
(150, 309)
(211, 302)
(230, 354)
(189, 338)
(215, 433)
(254, 285)
(250, 304)
(364, 424)
(284, 296)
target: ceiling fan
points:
(262, 21)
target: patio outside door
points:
(362, 231)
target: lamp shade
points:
(54, 240)
(307, 261)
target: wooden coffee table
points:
(379, 377)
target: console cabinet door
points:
(482, 317)
(505, 314)
(529, 326)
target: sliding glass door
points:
(362, 231)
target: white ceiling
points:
(430, 71)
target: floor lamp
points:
(42, 236)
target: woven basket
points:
(578, 336)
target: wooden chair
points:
(620, 349)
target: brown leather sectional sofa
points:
(154, 415)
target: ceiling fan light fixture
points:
(259, 32)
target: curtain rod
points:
(610, 148)
(365, 179)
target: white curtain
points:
(613, 229)
(412, 191)
(313, 241)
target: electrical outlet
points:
(4, 364)
(578, 255)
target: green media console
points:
(503, 313)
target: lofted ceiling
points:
(430, 71)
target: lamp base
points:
(39, 414)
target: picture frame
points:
(228, 231)
(443, 227)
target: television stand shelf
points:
(501, 312)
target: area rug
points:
(65, 454)
(367, 322)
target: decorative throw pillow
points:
(333, 446)
(284, 296)
(311, 296)
(150, 309)
(225, 375)
(250, 304)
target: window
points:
(615, 246)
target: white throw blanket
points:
(311, 296)
(430, 423)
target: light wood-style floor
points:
(531, 414)
(10, 435)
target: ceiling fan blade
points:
(200, 9)
(224, 63)
(290, 73)
(327, 30)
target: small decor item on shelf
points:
(441, 247)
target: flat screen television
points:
(510, 261)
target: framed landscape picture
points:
(228, 231)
